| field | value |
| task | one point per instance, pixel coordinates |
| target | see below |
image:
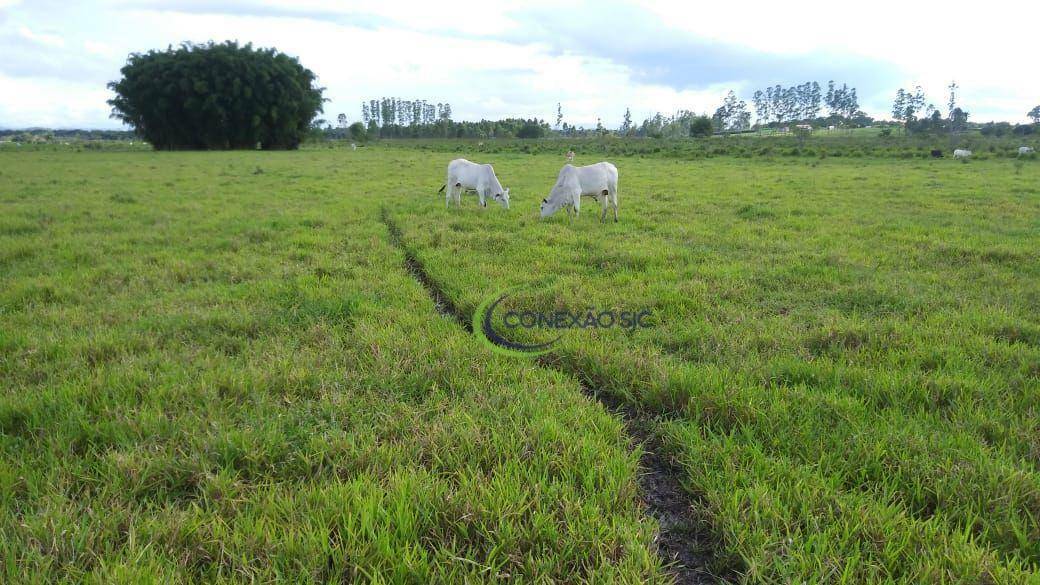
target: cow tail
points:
(442, 187)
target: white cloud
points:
(49, 40)
(493, 59)
(99, 48)
(988, 50)
(45, 102)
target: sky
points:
(493, 59)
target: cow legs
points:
(604, 203)
(453, 192)
(613, 201)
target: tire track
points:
(685, 544)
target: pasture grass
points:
(861, 336)
(212, 373)
(216, 366)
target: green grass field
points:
(221, 367)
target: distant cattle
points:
(463, 175)
(936, 153)
(1024, 150)
(962, 154)
(573, 182)
(569, 156)
(353, 146)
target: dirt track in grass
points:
(684, 543)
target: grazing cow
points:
(573, 182)
(936, 153)
(353, 146)
(1024, 150)
(962, 154)
(569, 156)
(463, 175)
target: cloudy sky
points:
(494, 59)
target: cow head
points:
(548, 207)
(503, 198)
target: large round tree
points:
(216, 96)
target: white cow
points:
(600, 179)
(1024, 150)
(962, 153)
(463, 175)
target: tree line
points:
(782, 105)
(221, 96)
(392, 117)
(917, 115)
(774, 107)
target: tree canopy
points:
(1034, 115)
(217, 96)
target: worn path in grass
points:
(684, 543)
(846, 351)
(213, 368)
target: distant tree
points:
(732, 115)
(559, 115)
(899, 106)
(842, 101)
(531, 129)
(718, 119)
(812, 97)
(700, 126)
(952, 102)
(1034, 115)
(761, 106)
(217, 96)
(316, 131)
(917, 101)
(958, 120)
(357, 131)
(995, 129)
(341, 120)
(851, 103)
(908, 105)
(936, 120)
(776, 103)
(626, 123)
